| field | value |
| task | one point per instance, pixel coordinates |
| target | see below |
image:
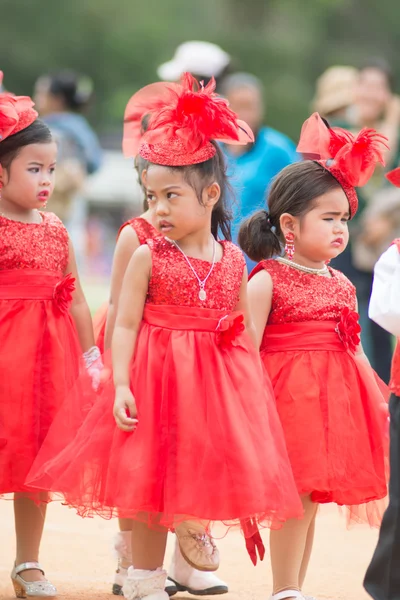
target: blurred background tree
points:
(120, 43)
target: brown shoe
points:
(197, 547)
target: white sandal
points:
(31, 589)
(287, 594)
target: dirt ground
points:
(78, 558)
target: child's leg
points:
(148, 546)
(147, 579)
(29, 522)
(288, 547)
(307, 551)
(382, 580)
(125, 528)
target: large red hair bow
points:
(351, 159)
(16, 113)
(182, 119)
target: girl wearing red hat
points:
(44, 324)
(329, 400)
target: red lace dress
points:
(329, 401)
(144, 230)
(39, 349)
(209, 444)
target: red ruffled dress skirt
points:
(39, 362)
(208, 445)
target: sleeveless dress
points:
(144, 230)
(208, 444)
(39, 348)
(330, 402)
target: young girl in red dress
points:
(197, 437)
(133, 234)
(45, 324)
(333, 413)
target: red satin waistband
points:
(314, 335)
(28, 284)
(187, 318)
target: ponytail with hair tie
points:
(258, 238)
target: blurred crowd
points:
(345, 96)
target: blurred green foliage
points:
(120, 43)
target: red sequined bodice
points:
(173, 282)
(143, 229)
(299, 297)
(34, 246)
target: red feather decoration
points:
(196, 115)
(355, 157)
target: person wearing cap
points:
(203, 59)
(252, 167)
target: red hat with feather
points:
(350, 159)
(182, 121)
(16, 113)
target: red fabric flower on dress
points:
(228, 330)
(348, 329)
(350, 159)
(63, 292)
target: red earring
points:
(289, 246)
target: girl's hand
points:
(94, 366)
(124, 404)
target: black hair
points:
(140, 165)
(293, 191)
(380, 64)
(203, 174)
(36, 133)
(75, 90)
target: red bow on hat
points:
(16, 113)
(350, 159)
(394, 177)
(182, 121)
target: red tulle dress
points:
(209, 444)
(39, 348)
(330, 402)
(144, 231)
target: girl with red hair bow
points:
(329, 400)
(197, 437)
(44, 324)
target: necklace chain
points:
(310, 270)
(202, 283)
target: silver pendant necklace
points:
(202, 283)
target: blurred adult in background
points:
(335, 93)
(377, 223)
(203, 59)
(251, 168)
(61, 99)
